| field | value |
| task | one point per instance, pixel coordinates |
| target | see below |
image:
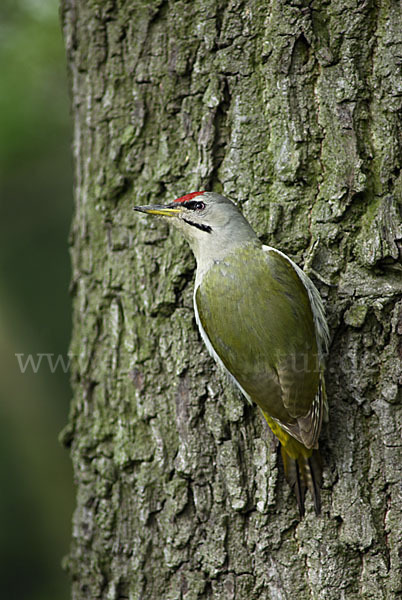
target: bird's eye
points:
(194, 205)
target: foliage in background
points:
(35, 211)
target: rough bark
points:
(293, 110)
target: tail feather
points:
(303, 469)
(315, 470)
(299, 487)
(301, 473)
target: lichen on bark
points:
(293, 110)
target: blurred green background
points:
(36, 494)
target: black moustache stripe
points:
(201, 226)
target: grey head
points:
(212, 224)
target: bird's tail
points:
(303, 469)
(302, 473)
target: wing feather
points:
(261, 328)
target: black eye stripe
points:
(194, 205)
(190, 205)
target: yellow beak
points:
(163, 211)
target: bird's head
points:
(211, 223)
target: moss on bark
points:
(292, 109)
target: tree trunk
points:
(290, 108)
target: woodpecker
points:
(263, 321)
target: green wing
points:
(256, 313)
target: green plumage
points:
(261, 326)
(263, 319)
